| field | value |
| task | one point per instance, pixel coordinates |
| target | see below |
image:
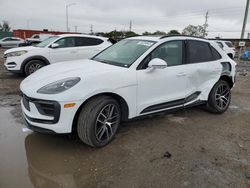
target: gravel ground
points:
(190, 148)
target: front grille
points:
(26, 103)
(44, 107)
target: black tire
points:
(219, 97)
(32, 66)
(92, 127)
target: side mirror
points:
(157, 63)
(54, 45)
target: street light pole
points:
(67, 15)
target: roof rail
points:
(166, 36)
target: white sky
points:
(225, 16)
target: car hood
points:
(58, 71)
(26, 48)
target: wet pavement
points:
(190, 148)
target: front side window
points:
(67, 42)
(124, 53)
(199, 51)
(7, 39)
(171, 52)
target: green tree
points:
(159, 33)
(5, 26)
(193, 30)
(173, 32)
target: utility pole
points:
(245, 21)
(205, 25)
(76, 28)
(91, 29)
(130, 25)
(67, 15)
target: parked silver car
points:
(9, 42)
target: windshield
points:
(229, 44)
(46, 42)
(124, 53)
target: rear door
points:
(204, 69)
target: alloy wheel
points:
(34, 67)
(222, 96)
(107, 122)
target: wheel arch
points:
(228, 79)
(37, 57)
(122, 102)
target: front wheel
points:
(32, 66)
(99, 121)
(219, 98)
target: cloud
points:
(225, 16)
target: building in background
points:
(25, 33)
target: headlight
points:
(59, 86)
(17, 53)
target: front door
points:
(66, 51)
(162, 89)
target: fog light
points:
(69, 105)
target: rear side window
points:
(199, 52)
(86, 41)
(216, 54)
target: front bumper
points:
(13, 64)
(48, 116)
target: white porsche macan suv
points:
(133, 78)
(66, 47)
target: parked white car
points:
(228, 47)
(39, 37)
(55, 49)
(133, 78)
(10, 42)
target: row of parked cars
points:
(96, 85)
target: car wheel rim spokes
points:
(222, 96)
(34, 67)
(107, 122)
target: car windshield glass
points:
(124, 53)
(229, 44)
(46, 42)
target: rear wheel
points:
(219, 98)
(32, 66)
(99, 121)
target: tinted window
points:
(66, 42)
(86, 41)
(7, 39)
(171, 52)
(13, 39)
(199, 52)
(216, 54)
